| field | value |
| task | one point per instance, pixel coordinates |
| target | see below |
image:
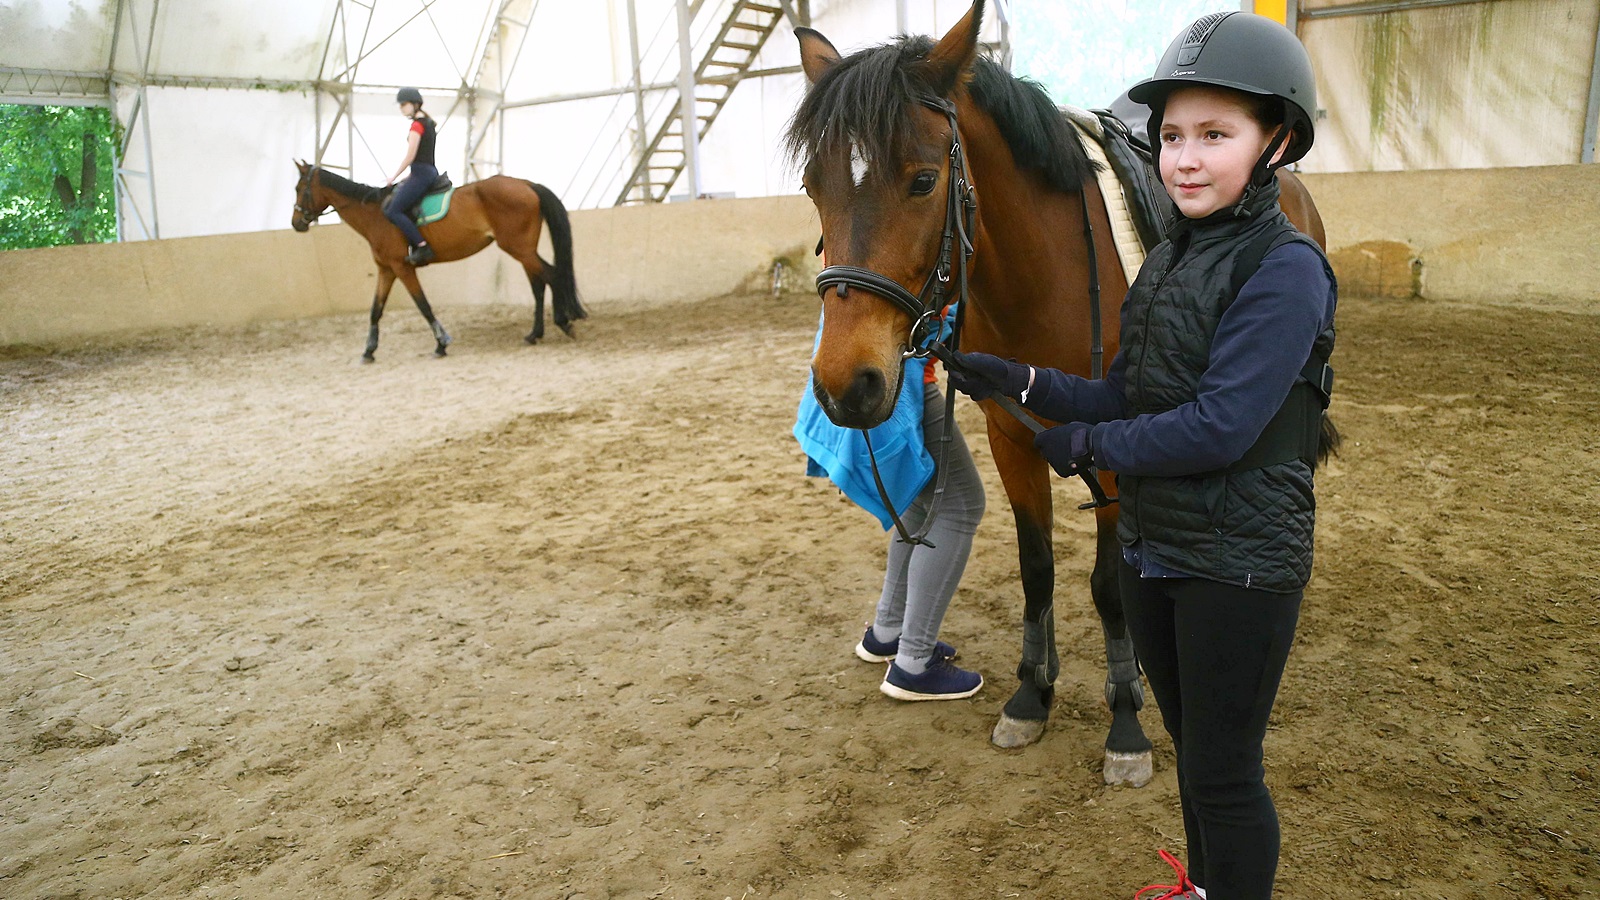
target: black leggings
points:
(1214, 655)
(407, 194)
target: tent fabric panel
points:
(280, 41)
(1461, 86)
(38, 34)
(410, 42)
(224, 158)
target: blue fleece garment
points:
(1261, 343)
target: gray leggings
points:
(920, 580)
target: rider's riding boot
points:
(420, 255)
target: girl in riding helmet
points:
(1210, 415)
(419, 159)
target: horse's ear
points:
(817, 55)
(950, 59)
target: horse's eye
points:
(924, 182)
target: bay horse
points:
(499, 209)
(892, 140)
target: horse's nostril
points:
(866, 392)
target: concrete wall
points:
(1526, 235)
(62, 293)
(1483, 235)
(626, 258)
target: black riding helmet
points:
(1245, 52)
(409, 95)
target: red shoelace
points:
(1172, 890)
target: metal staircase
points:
(728, 58)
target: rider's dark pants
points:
(1214, 655)
(406, 194)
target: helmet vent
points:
(1202, 28)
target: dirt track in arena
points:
(567, 621)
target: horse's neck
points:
(363, 216)
(1030, 284)
(1029, 239)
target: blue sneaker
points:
(872, 650)
(942, 681)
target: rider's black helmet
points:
(1245, 52)
(409, 95)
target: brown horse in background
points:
(498, 209)
(877, 133)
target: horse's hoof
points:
(1013, 733)
(567, 330)
(531, 339)
(366, 359)
(438, 351)
(1127, 768)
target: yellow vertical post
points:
(1276, 10)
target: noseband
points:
(925, 306)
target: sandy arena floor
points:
(568, 622)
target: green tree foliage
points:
(56, 171)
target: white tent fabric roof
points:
(431, 41)
(218, 96)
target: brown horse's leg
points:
(536, 280)
(1027, 484)
(442, 338)
(380, 298)
(1127, 757)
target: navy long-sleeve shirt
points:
(1261, 343)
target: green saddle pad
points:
(434, 207)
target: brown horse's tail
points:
(563, 281)
(1329, 440)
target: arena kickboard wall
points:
(1477, 235)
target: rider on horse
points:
(419, 158)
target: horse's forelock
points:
(865, 103)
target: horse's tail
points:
(1328, 440)
(563, 281)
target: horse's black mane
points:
(364, 193)
(869, 97)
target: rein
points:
(924, 308)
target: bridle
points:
(303, 202)
(926, 308)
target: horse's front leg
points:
(1027, 484)
(380, 298)
(1127, 758)
(440, 336)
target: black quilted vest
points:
(1251, 528)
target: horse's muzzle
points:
(866, 401)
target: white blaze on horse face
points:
(858, 165)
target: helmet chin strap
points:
(1262, 175)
